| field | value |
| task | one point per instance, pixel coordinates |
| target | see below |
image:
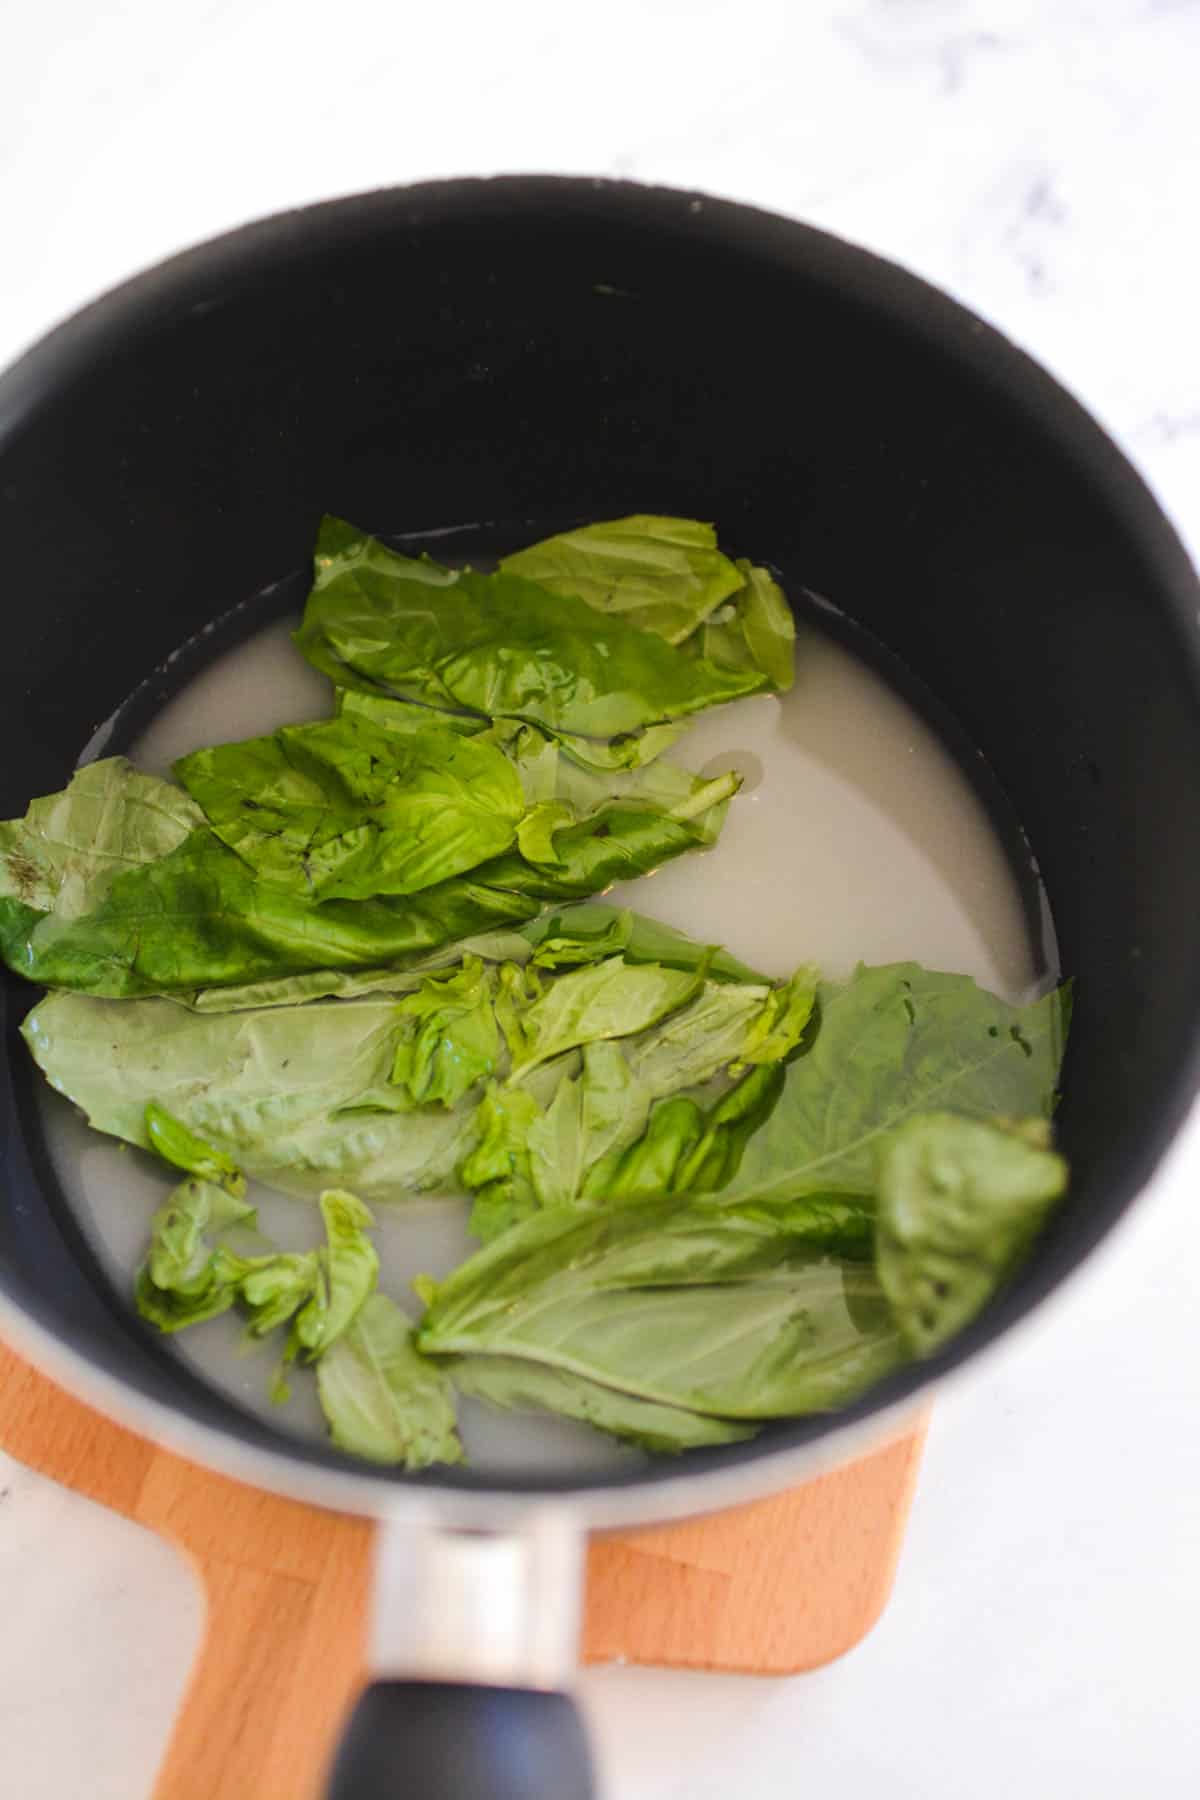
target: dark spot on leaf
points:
(25, 874)
(1022, 1042)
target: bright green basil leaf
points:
(199, 918)
(186, 1277)
(649, 1166)
(784, 1018)
(382, 1398)
(713, 1161)
(497, 1171)
(345, 810)
(499, 946)
(754, 630)
(496, 645)
(177, 1145)
(535, 834)
(451, 1040)
(894, 1041)
(692, 1306)
(530, 1387)
(664, 575)
(63, 856)
(273, 1289)
(960, 1201)
(180, 1253)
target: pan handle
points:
(448, 1742)
(474, 1642)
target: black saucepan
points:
(547, 350)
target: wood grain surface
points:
(771, 1588)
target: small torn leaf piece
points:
(182, 1148)
(350, 1270)
(185, 1277)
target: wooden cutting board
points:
(771, 1588)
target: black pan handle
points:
(438, 1740)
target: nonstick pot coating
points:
(539, 349)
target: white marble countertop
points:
(1040, 161)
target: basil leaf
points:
(891, 1042)
(350, 1266)
(185, 1277)
(276, 1090)
(649, 1166)
(649, 1425)
(498, 1169)
(181, 1147)
(382, 1399)
(592, 929)
(345, 810)
(274, 1288)
(755, 630)
(960, 1201)
(496, 645)
(63, 856)
(608, 999)
(197, 919)
(451, 1040)
(664, 575)
(699, 1307)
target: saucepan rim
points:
(196, 279)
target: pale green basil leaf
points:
(665, 575)
(960, 1201)
(382, 1399)
(270, 1088)
(703, 1037)
(894, 1041)
(63, 856)
(609, 999)
(593, 929)
(647, 1424)
(555, 1145)
(691, 1306)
